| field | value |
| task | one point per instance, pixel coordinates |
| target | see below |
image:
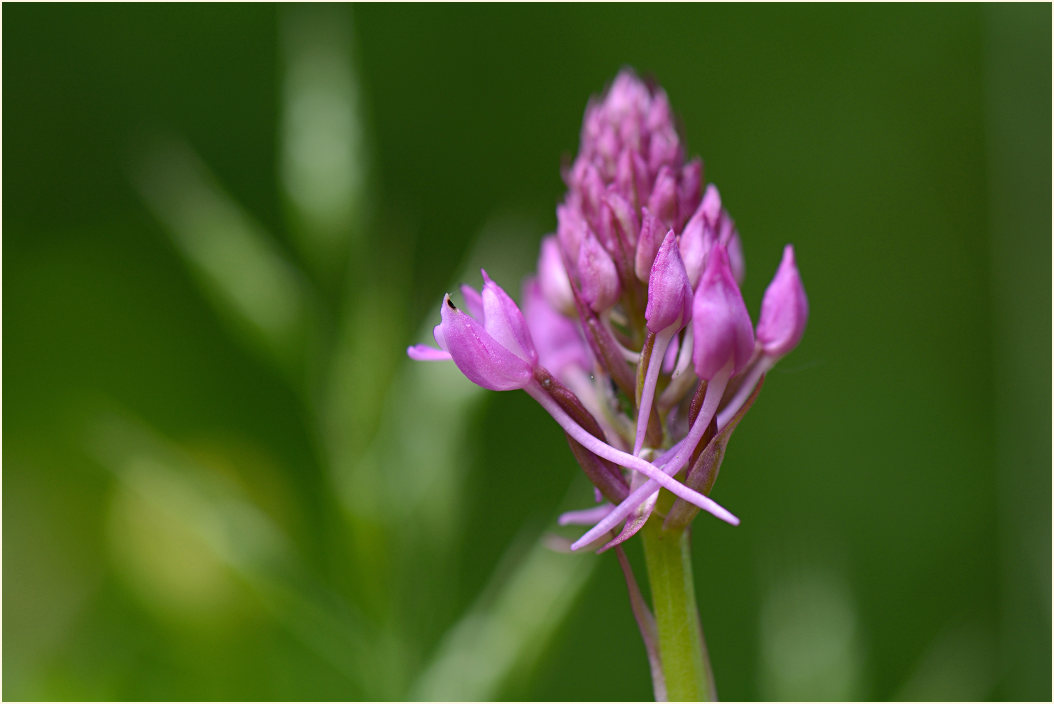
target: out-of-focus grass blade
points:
(811, 641)
(417, 458)
(420, 456)
(235, 260)
(399, 447)
(323, 160)
(1019, 187)
(179, 499)
(959, 665)
(508, 628)
(366, 353)
(397, 459)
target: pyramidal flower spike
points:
(634, 337)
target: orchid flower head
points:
(634, 335)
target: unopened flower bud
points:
(631, 177)
(552, 277)
(660, 116)
(735, 257)
(587, 183)
(663, 200)
(711, 206)
(721, 324)
(647, 244)
(726, 228)
(624, 221)
(607, 145)
(669, 293)
(627, 97)
(689, 190)
(597, 275)
(695, 242)
(784, 309)
(570, 230)
(728, 235)
(664, 150)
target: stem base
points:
(682, 650)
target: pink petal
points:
(424, 353)
(784, 309)
(597, 275)
(478, 355)
(669, 292)
(504, 322)
(721, 324)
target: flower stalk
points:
(683, 656)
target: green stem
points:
(685, 663)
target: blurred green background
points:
(224, 223)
